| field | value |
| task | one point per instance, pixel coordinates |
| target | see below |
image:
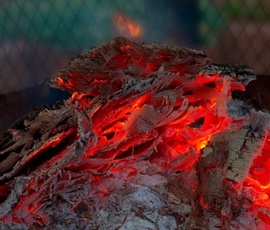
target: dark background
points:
(39, 37)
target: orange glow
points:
(256, 184)
(73, 97)
(139, 101)
(126, 27)
(60, 81)
(203, 144)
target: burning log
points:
(224, 165)
(145, 141)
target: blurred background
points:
(39, 37)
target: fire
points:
(126, 26)
(134, 110)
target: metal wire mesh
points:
(237, 32)
(40, 37)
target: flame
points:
(126, 27)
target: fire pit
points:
(145, 142)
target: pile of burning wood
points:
(144, 142)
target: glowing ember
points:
(126, 27)
(144, 141)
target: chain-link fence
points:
(237, 31)
(39, 37)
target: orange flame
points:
(126, 27)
